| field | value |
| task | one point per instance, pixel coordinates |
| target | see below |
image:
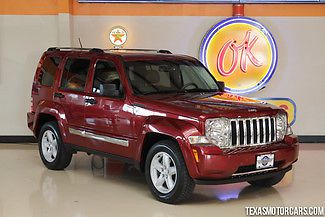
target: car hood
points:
(206, 105)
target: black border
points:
(18, 139)
(107, 155)
(311, 139)
(206, 1)
(32, 139)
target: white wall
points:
(300, 74)
(22, 41)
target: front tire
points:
(52, 150)
(267, 182)
(166, 173)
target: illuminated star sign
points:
(118, 36)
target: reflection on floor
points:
(93, 186)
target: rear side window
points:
(75, 73)
(48, 70)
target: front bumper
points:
(243, 178)
(216, 164)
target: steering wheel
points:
(190, 84)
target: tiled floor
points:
(92, 186)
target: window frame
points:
(57, 72)
(64, 62)
(92, 76)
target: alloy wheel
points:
(163, 172)
(49, 146)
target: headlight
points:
(281, 126)
(289, 130)
(217, 130)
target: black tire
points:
(63, 156)
(183, 185)
(267, 182)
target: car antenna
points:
(80, 42)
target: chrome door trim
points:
(108, 139)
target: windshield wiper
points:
(165, 91)
(202, 90)
(181, 91)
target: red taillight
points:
(34, 92)
(31, 105)
(34, 89)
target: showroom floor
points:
(92, 186)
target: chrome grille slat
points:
(274, 129)
(258, 130)
(252, 130)
(263, 135)
(245, 132)
(237, 132)
(231, 135)
(270, 132)
(264, 130)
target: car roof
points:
(126, 54)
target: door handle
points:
(59, 95)
(91, 101)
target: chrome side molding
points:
(108, 139)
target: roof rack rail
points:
(96, 50)
(144, 50)
(99, 50)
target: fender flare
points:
(55, 110)
(178, 130)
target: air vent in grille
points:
(252, 131)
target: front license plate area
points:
(264, 161)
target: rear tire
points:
(52, 150)
(267, 182)
(166, 173)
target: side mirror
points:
(221, 85)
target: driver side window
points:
(107, 81)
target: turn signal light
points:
(196, 155)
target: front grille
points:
(252, 131)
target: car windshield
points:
(169, 76)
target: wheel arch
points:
(42, 119)
(150, 139)
(162, 128)
(49, 111)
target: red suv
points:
(164, 113)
